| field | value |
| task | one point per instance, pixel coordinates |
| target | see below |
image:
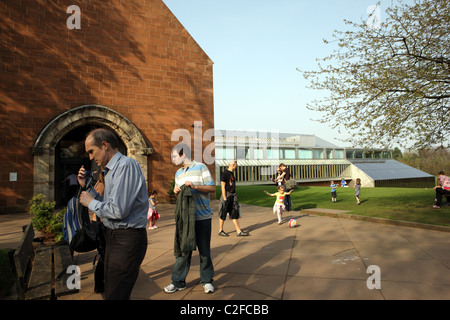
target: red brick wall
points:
(131, 56)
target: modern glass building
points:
(311, 160)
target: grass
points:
(406, 204)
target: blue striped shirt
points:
(199, 175)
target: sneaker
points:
(171, 288)
(242, 234)
(208, 288)
(436, 207)
(223, 234)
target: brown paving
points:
(323, 258)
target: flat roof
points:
(388, 169)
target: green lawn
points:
(391, 203)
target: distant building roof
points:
(237, 137)
(388, 169)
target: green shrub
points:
(171, 187)
(45, 219)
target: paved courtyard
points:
(323, 258)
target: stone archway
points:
(44, 147)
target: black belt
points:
(124, 229)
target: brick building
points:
(131, 67)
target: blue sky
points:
(257, 46)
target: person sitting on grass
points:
(442, 189)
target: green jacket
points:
(184, 223)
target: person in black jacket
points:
(228, 200)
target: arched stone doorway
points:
(70, 155)
(44, 148)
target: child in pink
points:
(443, 189)
(153, 214)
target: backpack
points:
(290, 184)
(78, 230)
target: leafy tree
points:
(397, 153)
(430, 161)
(390, 83)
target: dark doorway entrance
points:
(70, 155)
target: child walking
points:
(279, 206)
(358, 190)
(333, 187)
(153, 214)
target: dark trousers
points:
(125, 250)
(287, 200)
(183, 263)
(440, 193)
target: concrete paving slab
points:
(393, 290)
(324, 258)
(255, 263)
(390, 250)
(313, 288)
(328, 267)
(430, 272)
(11, 229)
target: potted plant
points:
(171, 193)
(45, 220)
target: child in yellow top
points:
(279, 206)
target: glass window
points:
(247, 154)
(241, 153)
(258, 154)
(358, 154)
(318, 154)
(339, 154)
(219, 153)
(329, 154)
(305, 154)
(273, 153)
(230, 154)
(288, 153)
(225, 153)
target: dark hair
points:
(183, 148)
(152, 193)
(100, 135)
